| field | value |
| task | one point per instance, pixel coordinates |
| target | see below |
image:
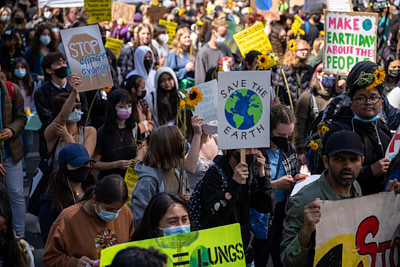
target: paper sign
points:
(60, 3)
(98, 10)
(131, 178)
(219, 246)
(359, 232)
(339, 5)
(87, 57)
(232, 29)
(253, 38)
(243, 109)
(349, 38)
(394, 146)
(296, 24)
(115, 45)
(125, 11)
(171, 27)
(207, 108)
(156, 13)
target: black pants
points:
(264, 247)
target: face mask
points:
(107, 215)
(124, 114)
(328, 81)
(78, 175)
(104, 40)
(377, 117)
(236, 9)
(394, 73)
(316, 18)
(75, 116)
(47, 15)
(164, 38)
(61, 72)
(44, 39)
(5, 18)
(20, 73)
(250, 158)
(142, 95)
(148, 64)
(19, 20)
(220, 40)
(280, 142)
(176, 230)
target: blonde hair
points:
(317, 45)
(139, 28)
(291, 58)
(218, 23)
(176, 44)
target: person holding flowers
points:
(365, 82)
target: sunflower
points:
(199, 22)
(263, 61)
(292, 45)
(313, 145)
(379, 78)
(323, 129)
(155, 3)
(181, 12)
(322, 33)
(302, 32)
(107, 89)
(230, 4)
(182, 104)
(194, 97)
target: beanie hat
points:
(365, 74)
(315, 9)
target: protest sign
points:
(359, 232)
(60, 3)
(243, 109)
(171, 27)
(125, 11)
(232, 29)
(87, 57)
(253, 38)
(350, 37)
(296, 24)
(339, 5)
(219, 246)
(98, 10)
(134, 1)
(155, 13)
(207, 108)
(115, 45)
(394, 146)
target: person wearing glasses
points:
(363, 116)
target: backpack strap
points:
(11, 89)
(314, 103)
(307, 26)
(223, 176)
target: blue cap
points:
(74, 154)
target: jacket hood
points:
(140, 70)
(162, 70)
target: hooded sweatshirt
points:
(140, 70)
(152, 97)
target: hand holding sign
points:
(74, 81)
(241, 173)
(312, 215)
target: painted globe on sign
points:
(367, 24)
(243, 109)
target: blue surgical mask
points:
(377, 117)
(220, 40)
(107, 215)
(176, 230)
(328, 81)
(75, 116)
(20, 73)
(44, 39)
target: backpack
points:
(11, 89)
(196, 207)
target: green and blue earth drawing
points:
(243, 109)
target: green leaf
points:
(184, 91)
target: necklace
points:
(121, 137)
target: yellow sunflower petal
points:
(379, 76)
(181, 12)
(302, 32)
(292, 45)
(182, 104)
(194, 97)
(322, 33)
(263, 61)
(107, 89)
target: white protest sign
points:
(394, 146)
(60, 3)
(350, 37)
(339, 5)
(359, 232)
(207, 108)
(87, 57)
(243, 109)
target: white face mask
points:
(47, 15)
(75, 116)
(164, 38)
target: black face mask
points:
(78, 175)
(250, 158)
(61, 72)
(147, 64)
(19, 20)
(280, 142)
(142, 95)
(316, 18)
(104, 40)
(394, 73)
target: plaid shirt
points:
(289, 162)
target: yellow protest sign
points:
(296, 24)
(171, 27)
(131, 178)
(219, 246)
(253, 38)
(125, 11)
(115, 45)
(98, 10)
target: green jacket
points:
(14, 118)
(292, 253)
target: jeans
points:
(26, 138)
(251, 264)
(14, 179)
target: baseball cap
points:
(9, 33)
(74, 154)
(344, 141)
(315, 9)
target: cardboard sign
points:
(359, 232)
(207, 108)
(156, 13)
(349, 38)
(232, 29)
(125, 11)
(243, 109)
(171, 27)
(115, 45)
(394, 146)
(60, 3)
(219, 246)
(87, 57)
(98, 10)
(253, 38)
(339, 5)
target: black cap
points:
(344, 141)
(9, 33)
(315, 9)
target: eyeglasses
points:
(305, 50)
(362, 100)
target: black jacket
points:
(234, 205)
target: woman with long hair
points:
(181, 59)
(278, 37)
(5, 18)
(392, 68)
(18, 22)
(67, 185)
